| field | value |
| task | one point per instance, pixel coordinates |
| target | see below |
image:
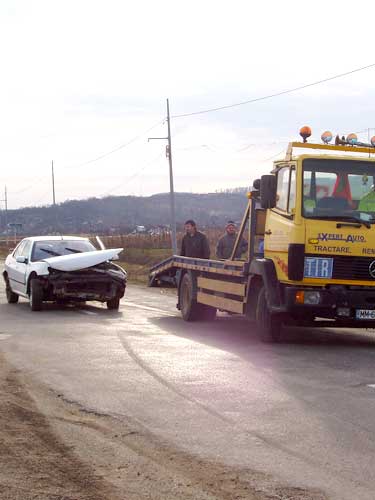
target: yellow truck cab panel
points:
(325, 203)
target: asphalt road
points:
(301, 412)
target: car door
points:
(20, 262)
(11, 267)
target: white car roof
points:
(56, 238)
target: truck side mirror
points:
(268, 191)
(256, 184)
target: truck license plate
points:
(365, 314)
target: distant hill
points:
(121, 214)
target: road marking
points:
(148, 308)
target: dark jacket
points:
(225, 246)
(195, 246)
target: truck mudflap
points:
(348, 306)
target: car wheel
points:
(268, 325)
(36, 295)
(12, 297)
(113, 304)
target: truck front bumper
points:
(350, 306)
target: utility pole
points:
(6, 212)
(5, 200)
(168, 151)
(53, 186)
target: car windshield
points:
(339, 189)
(49, 248)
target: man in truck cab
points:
(194, 243)
(367, 203)
(226, 243)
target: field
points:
(141, 251)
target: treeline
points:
(121, 214)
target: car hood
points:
(77, 261)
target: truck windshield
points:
(339, 190)
(54, 248)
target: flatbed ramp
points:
(166, 270)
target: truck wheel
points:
(36, 295)
(268, 325)
(113, 304)
(189, 307)
(12, 297)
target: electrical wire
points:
(118, 148)
(132, 177)
(277, 94)
(29, 186)
(273, 156)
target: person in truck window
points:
(194, 243)
(226, 243)
(367, 203)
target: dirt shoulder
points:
(34, 462)
(67, 452)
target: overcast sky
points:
(81, 77)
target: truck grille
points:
(351, 268)
(355, 268)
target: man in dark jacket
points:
(226, 243)
(194, 243)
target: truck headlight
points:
(308, 297)
(312, 298)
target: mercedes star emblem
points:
(371, 269)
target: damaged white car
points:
(63, 269)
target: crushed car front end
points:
(103, 282)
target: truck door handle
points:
(268, 231)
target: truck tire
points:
(190, 309)
(36, 295)
(268, 325)
(113, 304)
(12, 297)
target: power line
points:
(270, 96)
(118, 148)
(273, 156)
(132, 177)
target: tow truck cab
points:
(320, 234)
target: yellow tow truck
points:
(315, 217)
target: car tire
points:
(268, 325)
(113, 304)
(36, 295)
(12, 297)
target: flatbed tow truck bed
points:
(169, 267)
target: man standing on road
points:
(226, 243)
(194, 243)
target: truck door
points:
(280, 223)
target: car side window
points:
(19, 249)
(26, 249)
